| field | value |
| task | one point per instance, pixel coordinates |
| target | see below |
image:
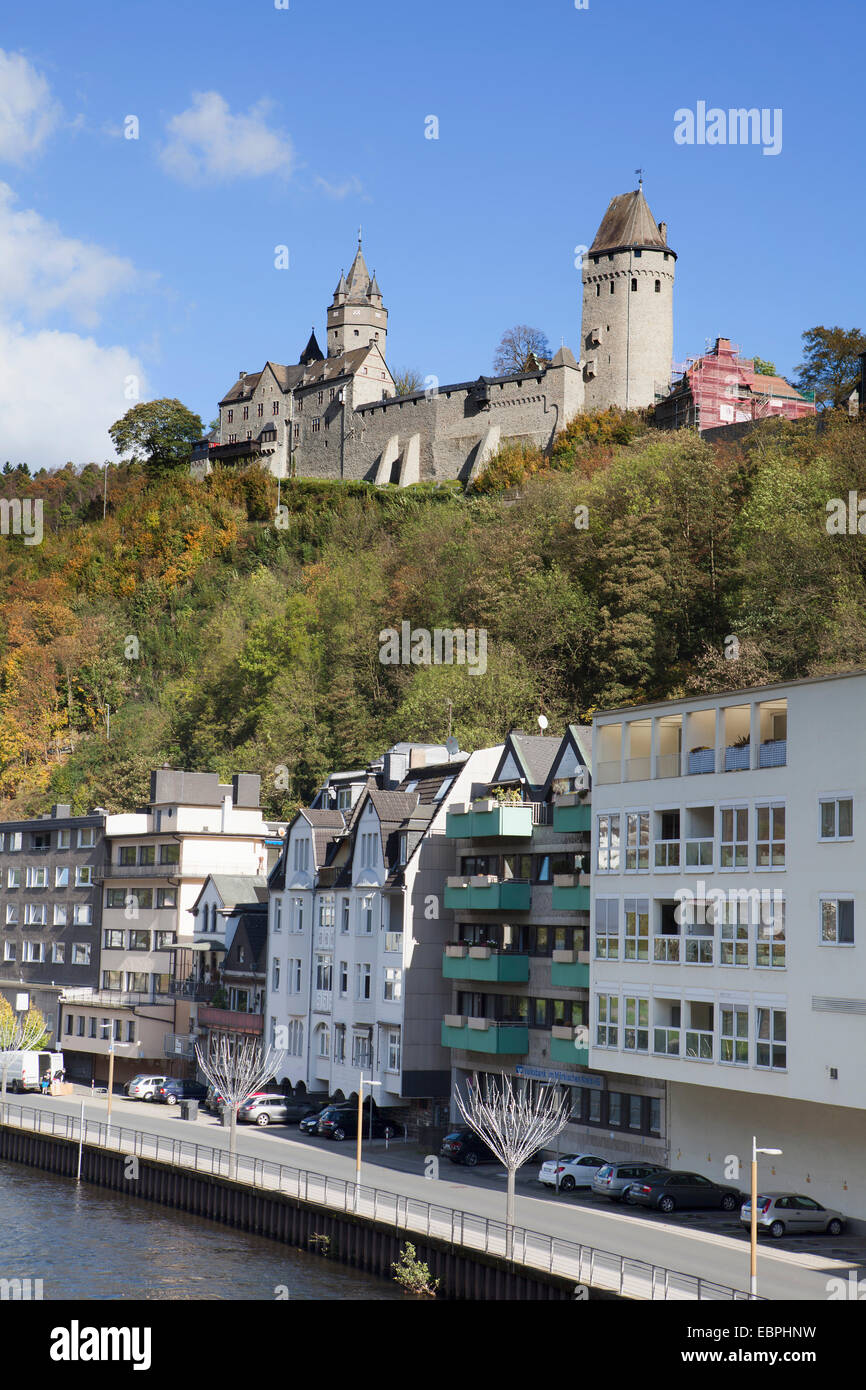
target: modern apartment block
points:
(357, 931)
(727, 904)
(519, 958)
(50, 906)
(155, 866)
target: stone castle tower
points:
(357, 316)
(627, 334)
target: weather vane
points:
(639, 173)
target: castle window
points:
(317, 424)
(321, 397)
(276, 409)
(261, 408)
(331, 393)
(249, 434)
(230, 416)
(357, 332)
(658, 286)
(610, 258)
(613, 287)
(638, 253)
(597, 291)
(246, 412)
(634, 285)
(666, 255)
(297, 431)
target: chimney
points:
(241, 375)
(663, 232)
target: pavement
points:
(711, 1245)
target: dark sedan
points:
(343, 1124)
(674, 1191)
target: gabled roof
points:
(252, 932)
(628, 223)
(532, 754)
(236, 888)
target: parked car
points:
(310, 1123)
(614, 1179)
(263, 1110)
(465, 1146)
(143, 1087)
(337, 1123)
(675, 1191)
(575, 1170)
(787, 1213)
(173, 1090)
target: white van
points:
(24, 1070)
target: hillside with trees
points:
(187, 627)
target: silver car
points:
(787, 1213)
(143, 1087)
(614, 1179)
(264, 1110)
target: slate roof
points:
(628, 223)
(238, 888)
(536, 754)
(252, 930)
(312, 352)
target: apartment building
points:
(727, 908)
(519, 958)
(357, 929)
(143, 1006)
(235, 1008)
(50, 906)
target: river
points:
(84, 1243)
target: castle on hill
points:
(335, 413)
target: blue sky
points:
(259, 127)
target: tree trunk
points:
(509, 1214)
(233, 1120)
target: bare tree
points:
(407, 380)
(521, 349)
(515, 1122)
(18, 1033)
(236, 1071)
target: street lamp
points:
(361, 1086)
(753, 1225)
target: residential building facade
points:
(727, 899)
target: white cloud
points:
(58, 395)
(349, 186)
(208, 144)
(28, 111)
(44, 272)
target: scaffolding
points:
(720, 387)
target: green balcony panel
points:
(574, 899)
(498, 968)
(572, 974)
(513, 896)
(571, 819)
(564, 1050)
(501, 1039)
(504, 822)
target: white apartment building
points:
(356, 934)
(728, 911)
(156, 864)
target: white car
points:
(143, 1087)
(575, 1170)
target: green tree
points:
(831, 368)
(764, 368)
(159, 433)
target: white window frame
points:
(735, 844)
(770, 807)
(733, 1036)
(770, 1042)
(636, 823)
(603, 933)
(833, 799)
(835, 899)
(608, 842)
(607, 1021)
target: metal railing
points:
(585, 1264)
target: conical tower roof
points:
(628, 224)
(342, 287)
(358, 279)
(312, 352)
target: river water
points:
(84, 1243)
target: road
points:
(710, 1245)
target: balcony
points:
(194, 990)
(637, 769)
(701, 760)
(483, 894)
(773, 753)
(485, 963)
(668, 765)
(570, 969)
(607, 773)
(569, 1045)
(488, 820)
(666, 1042)
(571, 815)
(699, 853)
(699, 1045)
(737, 757)
(571, 892)
(484, 1035)
(131, 871)
(230, 1020)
